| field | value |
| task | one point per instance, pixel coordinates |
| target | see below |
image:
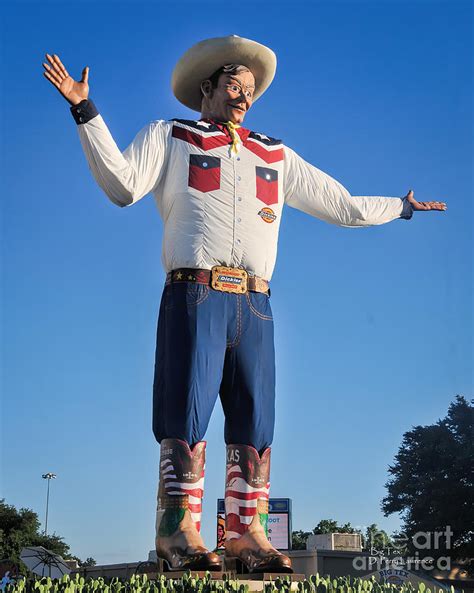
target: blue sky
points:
(377, 338)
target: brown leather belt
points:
(221, 278)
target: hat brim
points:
(204, 58)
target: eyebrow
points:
(249, 86)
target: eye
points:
(234, 88)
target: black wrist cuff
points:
(84, 111)
(407, 211)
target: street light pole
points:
(49, 476)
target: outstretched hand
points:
(72, 90)
(424, 205)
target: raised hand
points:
(424, 205)
(72, 90)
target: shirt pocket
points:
(267, 185)
(204, 172)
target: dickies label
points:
(267, 185)
(204, 172)
(267, 215)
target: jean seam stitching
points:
(201, 299)
(236, 340)
(198, 302)
(255, 312)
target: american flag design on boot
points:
(182, 477)
(247, 488)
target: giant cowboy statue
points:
(220, 189)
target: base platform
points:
(200, 574)
(229, 576)
(236, 567)
(234, 570)
(266, 576)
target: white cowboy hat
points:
(207, 56)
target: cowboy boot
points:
(246, 508)
(178, 518)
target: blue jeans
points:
(212, 343)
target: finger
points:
(410, 193)
(52, 73)
(85, 75)
(51, 61)
(56, 67)
(61, 65)
(51, 79)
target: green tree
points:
(432, 484)
(89, 562)
(330, 526)
(376, 539)
(83, 563)
(20, 528)
(298, 539)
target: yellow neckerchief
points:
(236, 142)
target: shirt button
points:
(238, 158)
(239, 198)
(239, 220)
(267, 176)
(204, 164)
(78, 111)
(80, 119)
(239, 178)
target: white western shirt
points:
(218, 207)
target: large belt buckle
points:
(229, 279)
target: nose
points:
(245, 99)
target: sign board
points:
(399, 576)
(279, 523)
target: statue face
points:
(231, 99)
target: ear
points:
(206, 88)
